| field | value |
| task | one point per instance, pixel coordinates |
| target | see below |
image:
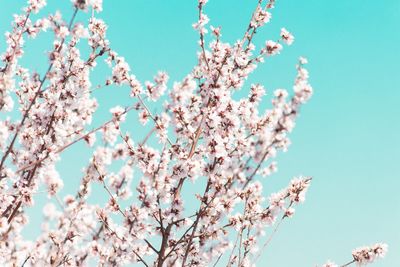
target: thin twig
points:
(349, 263)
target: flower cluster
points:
(364, 255)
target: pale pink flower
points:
(303, 60)
(286, 36)
(118, 113)
(260, 17)
(201, 23)
(272, 48)
(90, 139)
(144, 117)
(366, 255)
(4, 225)
(36, 5)
(63, 32)
(96, 4)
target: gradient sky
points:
(347, 136)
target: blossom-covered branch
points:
(363, 255)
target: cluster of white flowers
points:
(272, 48)
(364, 255)
(97, 5)
(36, 5)
(205, 145)
(157, 89)
(260, 17)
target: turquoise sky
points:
(347, 137)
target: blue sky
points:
(347, 136)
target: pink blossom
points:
(63, 32)
(36, 5)
(260, 17)
(273, 48)
(366, 255)
(287, 37)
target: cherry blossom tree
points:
(203, 135)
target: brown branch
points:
(152, 116)
(272, 234)
(196, 223)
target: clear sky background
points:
(347, 136)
